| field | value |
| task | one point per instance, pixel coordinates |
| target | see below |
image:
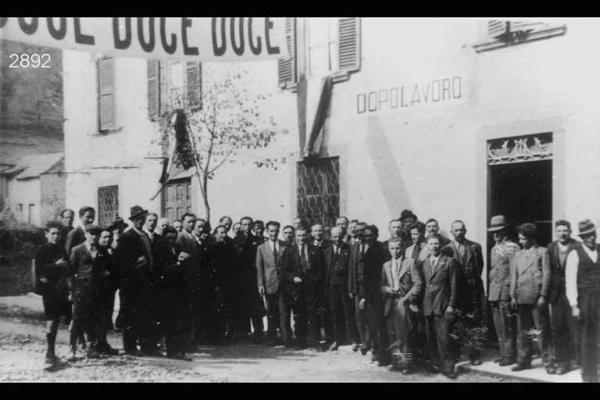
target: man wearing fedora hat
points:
(529, 288)
(582, 279)
(498, 293)
(134, 254)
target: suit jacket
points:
(557, 271)
(530, 275)
(313, 277)
(74, 238)
(45, 267)
(499, 276)
(336, 266)
(409, 283)
(470, 285)
(129, 248)
(409, 249)
(369, 272)
(440, 285)
(90, 281)
(267, 267)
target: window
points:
(106, 94)
(333, 47)
(30, 214)
(504, 33)
(173, 84)
(20, 207)
(287, 68)
(318, 194)
(108, 204)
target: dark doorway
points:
(523, 193)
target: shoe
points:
(561, 369)
(152, 353)
(300, 346)
(521, 367)
(476, 361)
(134, 352)
(92, 353)
(505, 362)
(355, 347)
(334, 346)
(550, 370)
(179, 356)
(405, 371)
(384, 363)
(498, 360)
(451, 375)
(50, 361)
(363, 350)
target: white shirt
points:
(434, 260)
(571, 272)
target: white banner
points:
(192, 39)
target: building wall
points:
(52, 186)
(431, 157)
(24, 193)
(129, 157)
(117, 158)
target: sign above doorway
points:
(520, 149)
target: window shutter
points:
(153, 89)
(349, 44)
(287, 67)
(497, 27)
(164, 102)
(106, 88)
(194, 85)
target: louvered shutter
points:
(497, 27)
(349, 44)
(194, 85)
(164, 87)
(106, 89)
(287, 67)
(153, 89)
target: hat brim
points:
(587, 232)
(138, 214)
(496, 228)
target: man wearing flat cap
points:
(499, 289)
(582, 278)
(134, 255)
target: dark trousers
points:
(530, 316)
(340, 312)
(177, 322)
(589, 305)
(136, 307)
(377, 327)
(276, 316)
(436, 330)
(506, 329)
(306, 320)
(402, 323)
(565, 341)
(362, 324)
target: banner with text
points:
(192, 39)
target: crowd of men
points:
(415, 300)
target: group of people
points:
(416, 299)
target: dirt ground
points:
(22, 348)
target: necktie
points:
(275, 251)
(303, 259)
(414, 251)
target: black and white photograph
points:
(299, 199)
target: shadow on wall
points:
(386, 169)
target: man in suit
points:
(337, 259)
(439, 300)
(246, 244)
(529, 288)
(342, 223)
(361, 319)
(351, 237)
(582, 281)
(134, 255)
(318, 240)
(401, 285)
(303, 274)
(200, 275)
(469, 260)
(499, 290)
(76, 236)
(289, 234)
(188, 247)
(369, 291)
(66, 217)
(564, 337)
(268, 257)
(417, 237)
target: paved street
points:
(22, 353)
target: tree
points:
(229, 122)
